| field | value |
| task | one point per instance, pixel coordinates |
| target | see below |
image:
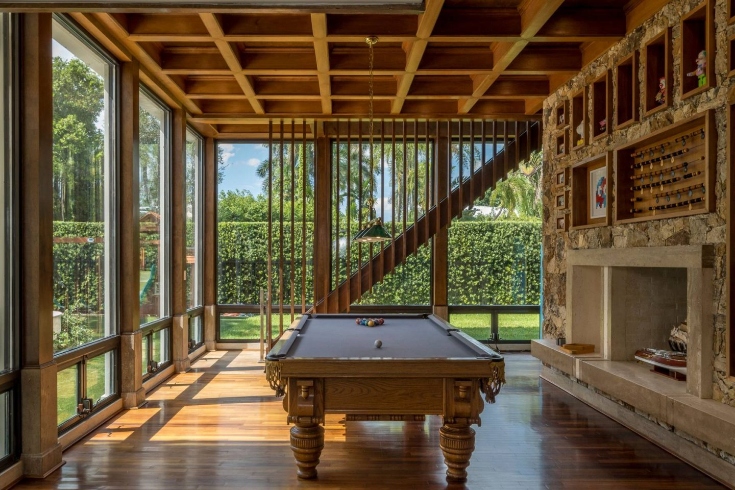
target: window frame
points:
(165, 254)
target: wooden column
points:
(131, 341)
(180, 328)
(209, 248)
(322, 224)
(41, 451)
(440, 268)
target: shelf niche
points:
(697, 34)
(731, 56)
(659, 65)
(591, 195)
(731, 11)
(562, 114)
(645, 172)
(626, 112)
(579, 117)
(562, 148)
(601, 105)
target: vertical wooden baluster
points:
(483, 177)
(517, 145)
(359, 207)
(449, 172)
(269, 311)
(528, 141)
(381, 269)
(336, 162)
(415, 184)
(506, 156)
(427, 181)
(393, 195)
(280, 236)
(293, 220)
(404, 199)
(496, 165)
(371, 203)
(348, 248)
(461, 168)
(473, 195)
(303, 216)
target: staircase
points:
(438, 217)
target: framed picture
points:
(598, 193)
(561, 223)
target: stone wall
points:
(705, 228)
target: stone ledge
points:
(551, 354)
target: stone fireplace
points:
(622, 300)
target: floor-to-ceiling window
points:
(9, 365)
(154, 151)
(194, 236)
(84, 97)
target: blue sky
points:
(240, 162)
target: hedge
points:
(490, 262)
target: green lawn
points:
(247, 326)
(512, 326)
(518, 326)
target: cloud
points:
(253, 162)
(228, 151)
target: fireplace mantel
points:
(602, 296)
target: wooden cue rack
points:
(668, 173)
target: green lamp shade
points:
(374, 232)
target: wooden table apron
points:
(385, 389)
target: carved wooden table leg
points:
(307, 442)
(457, 443)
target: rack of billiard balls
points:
(369, 322)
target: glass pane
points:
(476, 325)
(101, 377)
(494, 262)
(6, 424)
(67, 386)
(519, 326)
(152, 162)
(242, 212)
(161, 346)
(82, 201)
(146, 353)
(195, 331)
(194, 228)
(7, 333)
(246, 326)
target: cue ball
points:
(378, 344)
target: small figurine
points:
(661, 95)
(580, 130)
(603, 125)
(561, 119)
(701, 71)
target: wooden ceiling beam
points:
(585, 24)
(534, 14)
(213, 26)
(639, 11)
(146, 61)
(415, 51)
(321, 50)
(534, 105)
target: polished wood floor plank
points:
(219, 426)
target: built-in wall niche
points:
(590, 197)
(562, 114)
(626, 88)
(698, 50)
(562, 148)
(658, 72)
(731, 56)
(668, 173)
(601, 106)
(578, 122)
(731, 11)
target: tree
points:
(241, 206)
(78, 170)
(520, 191)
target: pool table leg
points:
(457, 442)
(307, 442)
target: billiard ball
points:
(378, 344)
(371, 323)
(357, 321)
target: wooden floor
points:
(219, 426)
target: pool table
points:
(329, 364)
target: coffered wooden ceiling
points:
(456, 58)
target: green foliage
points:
(494, 262)
(243, 265)
(241, 206)
(75, 330)
(78, 267)
(78, 148)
